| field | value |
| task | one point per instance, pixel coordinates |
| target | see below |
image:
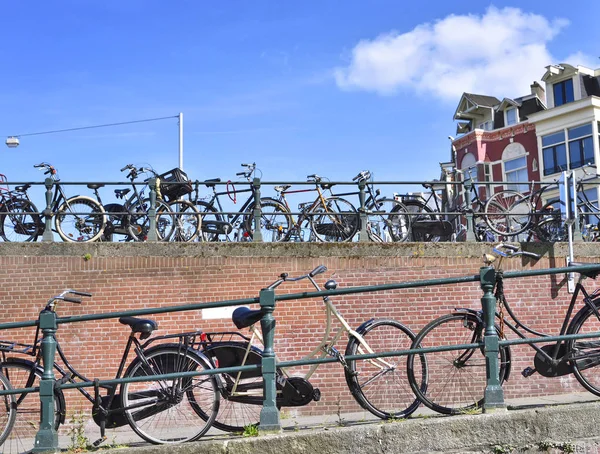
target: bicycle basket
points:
(340, 229)
(174, 184)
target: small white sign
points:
(218, 312)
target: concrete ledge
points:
(352, 250)
(563, 428)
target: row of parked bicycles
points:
(449, 379)
(444, 212)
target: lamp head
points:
(12, 142)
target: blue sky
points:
(303, 87)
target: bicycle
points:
(155, 409)
(19, 219)
(456, 379)
(429, 226)
(8, 412)
(326, 219)
(217, 227)
(378, 385)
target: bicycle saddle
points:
(139, 325)
(243, 317)
(95, 185)
(283, 188)
(23, 188)
(591, 274)
(212, 180)
(122, 192)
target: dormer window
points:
(511, 116)
(563, 92)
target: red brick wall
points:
(136, 279)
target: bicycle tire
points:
(210, 220)
(336, 220)
(388, 221)
(187, 220)
(23, 225)
(456, 379)
(234, 413)
(275, 220)
(173, 406)
(8, 410)
(385, 393)
(584, 354)
(23, 373)
(138, 221)
(419, 211)
(508, 213)
(80, 219)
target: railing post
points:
(493, 395)
(362, 210)
(466, 189)
(257, 234)
(46, 439)
(47, 213)
(152, 235)
(269, 415)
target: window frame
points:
(565, 91)
(506, 120)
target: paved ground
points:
(568, 414)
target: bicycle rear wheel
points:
(24, 374)
(275, 220)
(380, 385)
(584, 354)
(508, 213)
(388, 221)
(80, 220)
(456, 379)
(138, 221)
(8, 410)
(187, 220)
(337, 220)
(20, 221)
(175, 410)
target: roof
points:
(482, 100)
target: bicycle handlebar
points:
(284, 277)
(63, 297)
(513, 251)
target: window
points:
(581, 146)
(592, 196)
(486, 125)
(554, 151)
(563, 92)
(511, 116)
(516, 170)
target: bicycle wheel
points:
(211, 221)
(584, 354)
(388, 221)
(187, 220)
(275, 220)
(241, 398)
(456, 379)
(420, 216)
(380, 385)
(337, 220)
(8, 410)
(20, 221)
(167, 411)
(138, 221)
(508, 213)
(24, 374)
(80, 220)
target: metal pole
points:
(269, 415)
(364, 235)
(257, 234)
(48, 235)
(180, 141)
(493, 395)
(152, 235)
(46, 439)
(466, 189)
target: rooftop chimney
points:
(538, 90)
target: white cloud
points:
(498, 53)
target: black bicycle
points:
(457, 378)
(160, 411)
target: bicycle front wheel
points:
(175, 410)
(584, 354)
(80, 220)
(138, 221)
(24, 374)
(336, 220)
(388, 221)
(380, 385)
(187, 220)
(508, 213)
(8, 410)
(20, 221)
(456, 379)
(275, 220)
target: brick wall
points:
(123, 277)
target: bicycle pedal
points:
(528, 372)
(99, 441)
(316, 394)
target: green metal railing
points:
(46, 438)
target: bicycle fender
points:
(364, 326)
(477, 314)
